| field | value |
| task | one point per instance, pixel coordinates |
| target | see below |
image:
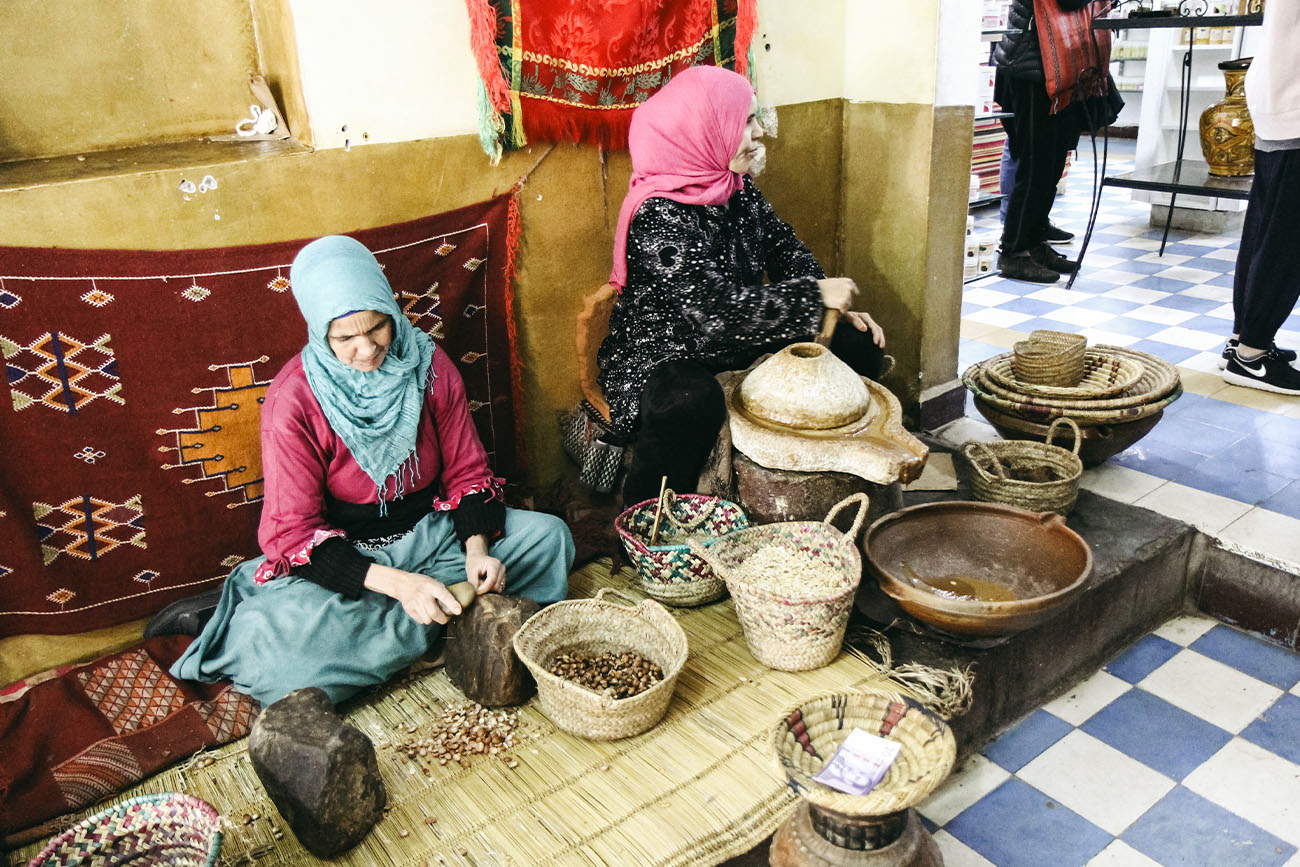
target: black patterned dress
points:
(695, 290)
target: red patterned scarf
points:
(1075, 56)
(572, 70)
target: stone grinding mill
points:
(807, 431)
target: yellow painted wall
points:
(83, 76)
(867, 185)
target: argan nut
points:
(464, 593)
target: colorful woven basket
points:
(668, 570)
(808, 734)
(597, 626)
(785, 633)
(172, 829)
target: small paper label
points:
(859, 764)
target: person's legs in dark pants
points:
(1266, 285)
(1039, 144)
(682, 410)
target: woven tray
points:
(1157, 388)
(1040, 410)
(808, 734)
(1105, 373)
(1158, 378)
(998, 470)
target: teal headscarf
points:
(376, 413)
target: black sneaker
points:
(1056, 235)
(1268, 372)
(1229, 348)
(1045, 255)
(1021, 266)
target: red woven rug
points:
(93, 730)
(131, 471)
(572, 70)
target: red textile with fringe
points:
(132, 471)
(1075, 57)
(76, 735)
(571, 70)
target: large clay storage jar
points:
(1227, 132)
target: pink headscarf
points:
(681, 140)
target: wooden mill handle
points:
(830, 319)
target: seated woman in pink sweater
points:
(378, 496)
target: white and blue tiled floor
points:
(1184, 750)
(1224, 458)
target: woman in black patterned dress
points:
(694, 241)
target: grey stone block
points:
(320, 772)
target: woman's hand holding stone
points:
(485, 572)
(425, 600)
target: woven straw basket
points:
(1040, 477)
(597, 626)
(1050, 358)
(782, 632)
(171, 829)
(1105, 374)
(808, 735)
(668, 570)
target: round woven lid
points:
(805, 387)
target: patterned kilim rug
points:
(565, 70)
(132, 471)
(91, 730)
(698, 788)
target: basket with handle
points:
(1040, 477)
(1050, 358)
(168, 828)
(597, 626)
(791, 621)
(667, 568)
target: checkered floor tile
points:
(1224, 458)
(1184, 750)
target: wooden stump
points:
(769, 495)
(480, 657)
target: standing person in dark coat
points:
(1043, 130)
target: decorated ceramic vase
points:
(1227, 133)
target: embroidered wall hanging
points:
(131, 473)
(569, 70)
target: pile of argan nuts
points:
(467, 730)
(618, 675)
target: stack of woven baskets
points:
(1115, 395)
